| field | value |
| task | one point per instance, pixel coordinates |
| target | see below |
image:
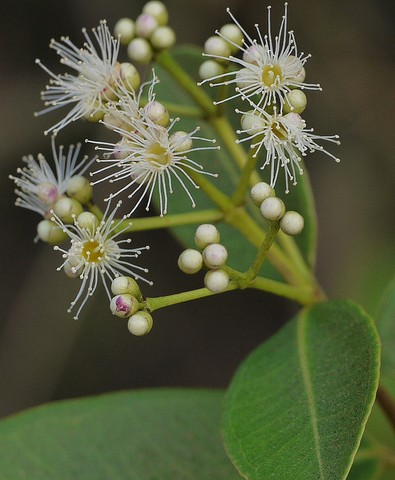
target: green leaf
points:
(153, 434)
(300, 198)
(297, 405)
(386, 327)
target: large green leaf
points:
(152, 434)
(297, 406)
(300, 198)
(386, 327)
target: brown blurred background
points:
(44, 354)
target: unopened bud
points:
(157, 113)
(125, 28)
(88, 221)
(273, 209)
(145, 25)
(158, 11)
(260, 192)
(163, 38)
(216, 280)
(292, 223)
(139, 50)
(51, 233)
(79, 188)
(181, 141)
(217, 46)
(252, 123)
(67, 208)
(124, 305)
(296, 101)
(124, 284)
(215, 255)
(72, 271)
(140, 323)
(190, 261)
(206, 234)
(210, 68)
(130, 76)
(232, 33)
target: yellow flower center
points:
(270, 73)
(91, 251)
(156, 154)
(279, 131)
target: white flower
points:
(285, 139)
(150, 157)
(96, 253)
(96, 70)
(40, 186)
(269, 69)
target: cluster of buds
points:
(273, 209)
(210, 254)
(221, 50)
(128, 303)
(147, 34)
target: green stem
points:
(160, 302)
(174, 220)
(245, 179)
(302, 295)
(92, 207)
(178, 109)
(387, 404)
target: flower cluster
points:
(270, 77)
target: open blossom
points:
(96, 70)
(269, 69)
(39, 186)
(285, 140)
(150, 157)
(96, 254)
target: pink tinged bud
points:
(47, 193)
(124, 305)
(215, 255)
(146, 25)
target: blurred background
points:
(44, 353)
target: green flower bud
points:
(181, 141)
(297, 102)
(130, 77)
(163, 38)
(125, 28)
(67, 208)
(88, 220)
(158, 11)
(49, 232)
(124, 284)
(79, 188)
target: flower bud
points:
(210, 68)
(217, 46)
(232, 33)
(124, 284)
(47, 192)
(130, 76)
(125, 28)
(252, 123)
(71, 270)
(273, 208)
(163, 38)
(49, 232)
(79, 188)
(158, 11)
(260, 192)
(297, 102)
(95, 114)
(216, 280)
(181, 141)
(124, 305)
(145, 25)
(190, 261)
(88, 221)
(140, 323)
(215, 255)
(67, 208)
(292, 223)
(243, 78)
(139, 50)
(157, 113)
(206, 234)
